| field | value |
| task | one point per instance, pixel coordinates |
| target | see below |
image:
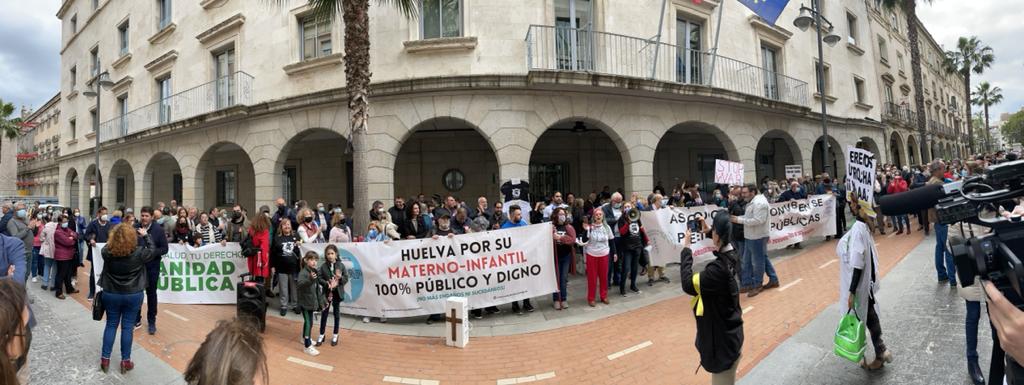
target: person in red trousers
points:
(598, 247)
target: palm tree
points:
(10, 128)
(986, 96)
(970, 56)
(909, 8)
(355, 15)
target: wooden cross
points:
(455, 322)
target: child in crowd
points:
(311, 298)
(332, 276)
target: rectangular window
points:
(74, 24)
(224, 62)
(899, 61)
(769, 57)
(888, 93)
(291, 183)
(94, 58)
(858, 87)
(122, 187)
(440, 18)
(72, 128)
(163, 86)
(164, 12)
(883, 50)
(895, 22)
(315, 37)
(828, 79)
(226, 187)
(73, 74)
(851, 23)
(95, 4)
(176, 187)
(122, 34)
(95, 119)
(689, 57)
(122, 114)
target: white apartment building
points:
(38, 150)
(215, 102)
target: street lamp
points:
(102, 80)
(807, 18)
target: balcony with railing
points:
(227, 91)
(901, 114)
(551, 48)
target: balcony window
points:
(315, 37)
(574, 47)
(888, 93)
(95, 119)
(164, 11)
(688, 58)
(225, 68)
(163, 86)
(122, 114)
(769, 59)
(440, 18)
(122, 35)
(851, 23)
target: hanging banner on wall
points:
(415, 277)
(791, 222)
(191, 275)
(729, 173)
(794, 171)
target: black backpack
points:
(248, 249)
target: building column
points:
(191, 186)
(268, 180)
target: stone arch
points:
(442, 147)
(836, 157)
(315, 165)
(121, 189)
(162, 180)
(694, 146)
(578, 155)
(774, 151)
(87, 188)
(913, 151)
(896, 150)
(71, 183)
(224, 176)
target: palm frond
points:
(406, 7)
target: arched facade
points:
(446, 155)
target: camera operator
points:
(1007, 320)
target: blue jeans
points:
(973, 315)
(758, 250)
(37, 263)
(49, 272)
(121, 310)
(563, 276)
(942, 253)
(745, 265)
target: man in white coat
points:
(858, 281)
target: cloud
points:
(29, 52)
(996, 23)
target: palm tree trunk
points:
(988, 146)
(8, 166)
(967, 102)
(910, 7)
(355, 14)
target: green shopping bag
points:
(850, 339)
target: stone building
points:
(220, 101)
(38, 150)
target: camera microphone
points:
(913, 201)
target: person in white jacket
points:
(598, 248)
(859, 281)
(756, 226)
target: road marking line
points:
(413, 381)
(526, 379)
(175, 315)
(827, 263)
(314, 365)
(747, 309)
(629, 350)
(788, 285)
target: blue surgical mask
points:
(372, 234)
(22, 213)
(64, 225)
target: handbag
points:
(850, 340)
(97, 306)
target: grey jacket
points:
(18, 229)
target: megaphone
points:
(633, 215)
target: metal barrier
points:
(571, 49)
(227, 91)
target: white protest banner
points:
(860, 177)
(797, 220)
(730, 173)
(791, 222)
(794, 171)
(415, 277)
(190, 275)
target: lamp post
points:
(809, 16)
(101, 81)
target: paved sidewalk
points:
(66, 348)
(922, 323)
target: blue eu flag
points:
(769, 10)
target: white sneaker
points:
(366, 320)
(34, 279)
(312, 351)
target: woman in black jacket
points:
(414, 226)
(284, 257)
(182, 234)
(716, 304)
(123, 280)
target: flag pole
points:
(718, 32)
(657, 44)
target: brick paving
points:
(659, 338)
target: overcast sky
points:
(30, 45)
